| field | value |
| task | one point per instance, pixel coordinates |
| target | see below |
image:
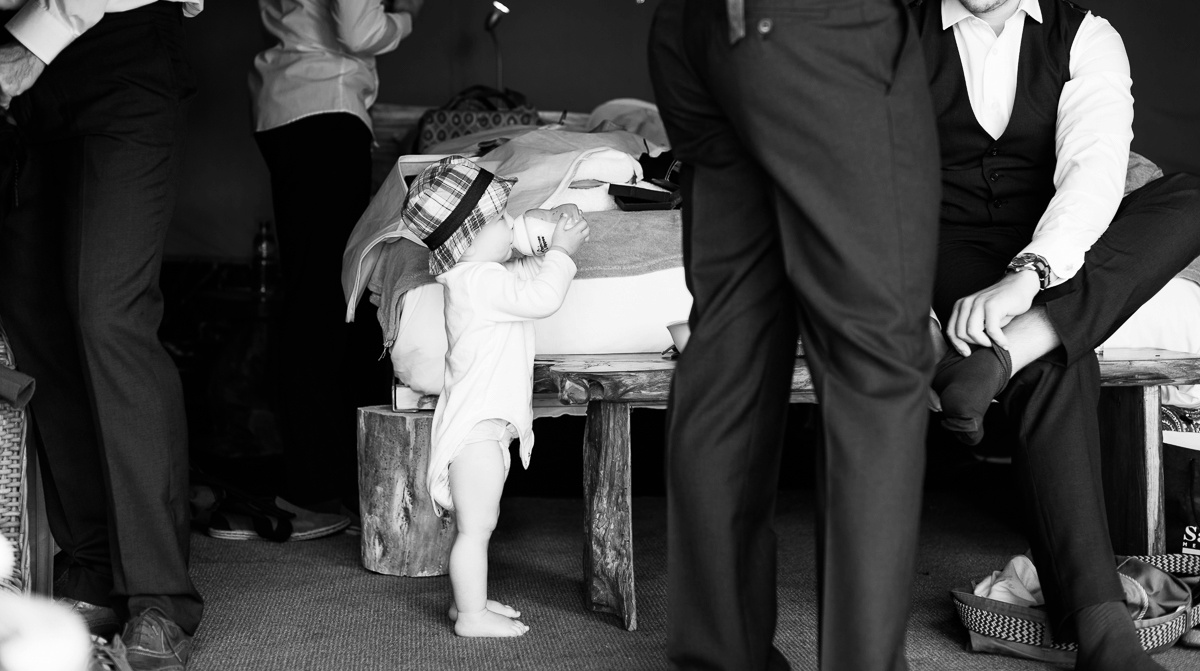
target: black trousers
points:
(1052, 403)
(320, 185)
(811, 197)
(80, 257)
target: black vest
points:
(1010, 180)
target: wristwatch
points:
(1029, 261)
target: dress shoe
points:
(100, 620)
(153, 642)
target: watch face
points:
(1032, 262)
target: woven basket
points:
(14, 518)
(1019, 631)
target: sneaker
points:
(153, 642)
(108, 656)
(278, 521)
(100, 620)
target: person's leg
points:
(729, 393)
(774, 210)
(865, 214)
(34, 311)
(320, 184)
(116, 96)
(1150, 240)
(1057, 462)
(476, 482)
(1152, 237)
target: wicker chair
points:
(14, 485)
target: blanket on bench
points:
(404, 265)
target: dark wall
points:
(562, 54)
(1164, 55)
(225, 188)
(565, 54)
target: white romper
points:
(489, 362)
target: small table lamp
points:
(499, 10)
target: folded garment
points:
(545, 162)
(403, 265)
(1150, 592)
(630, 243)
(15, 387)
(1016, 583)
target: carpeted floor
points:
(311, 606)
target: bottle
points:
(266, 262)
(532, 235)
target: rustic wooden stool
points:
(401, 533)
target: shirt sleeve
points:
(531, 288)
(46, 27)
(365, 29)
(1092, 137)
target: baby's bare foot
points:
(494, 606)
(487, 623)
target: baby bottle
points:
(532, 236)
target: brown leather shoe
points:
(153, 642)
(100, 620)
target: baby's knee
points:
(479, 524)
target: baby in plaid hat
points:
(457, 208)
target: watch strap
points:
(1034, 262)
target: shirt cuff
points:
(40, 31)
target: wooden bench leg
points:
(608, 521)
(1133, 477)
(401, 533)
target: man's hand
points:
(19, 69)
(570, 233)
(978, 318)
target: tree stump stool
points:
(401, 533)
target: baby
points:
(458, 210)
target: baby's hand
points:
(572, 211)
(570, 233)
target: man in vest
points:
(1040, 260)
(811, 195)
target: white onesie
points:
(489, 363)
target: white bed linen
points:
(600, 315)
(1169, 320)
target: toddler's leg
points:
(476, 481)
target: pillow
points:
(1141, 171)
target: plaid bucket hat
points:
(447, 205)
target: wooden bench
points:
(606, 387)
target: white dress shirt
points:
(1093, 133)
(325, 58)
(46, 27)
